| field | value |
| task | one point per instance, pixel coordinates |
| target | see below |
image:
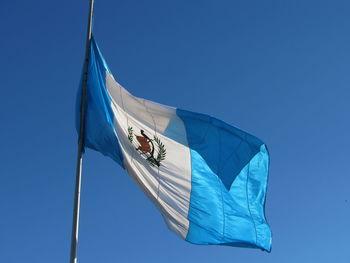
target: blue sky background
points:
(277, 69)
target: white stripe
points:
(168, 186)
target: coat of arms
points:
(152, 149)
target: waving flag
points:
(207, 178)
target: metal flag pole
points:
(75, 225)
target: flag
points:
(207, 178)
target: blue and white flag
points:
(207, 178)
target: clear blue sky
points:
(277, 69)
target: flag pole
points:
(75, 225)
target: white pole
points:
(75, 225)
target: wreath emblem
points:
(147, 147)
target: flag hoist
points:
(207, 178)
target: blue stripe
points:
(99, 127)
(229, 177)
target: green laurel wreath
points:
(161, 151)
(130, 134)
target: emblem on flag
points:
(146, 147)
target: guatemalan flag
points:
(207, 178)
